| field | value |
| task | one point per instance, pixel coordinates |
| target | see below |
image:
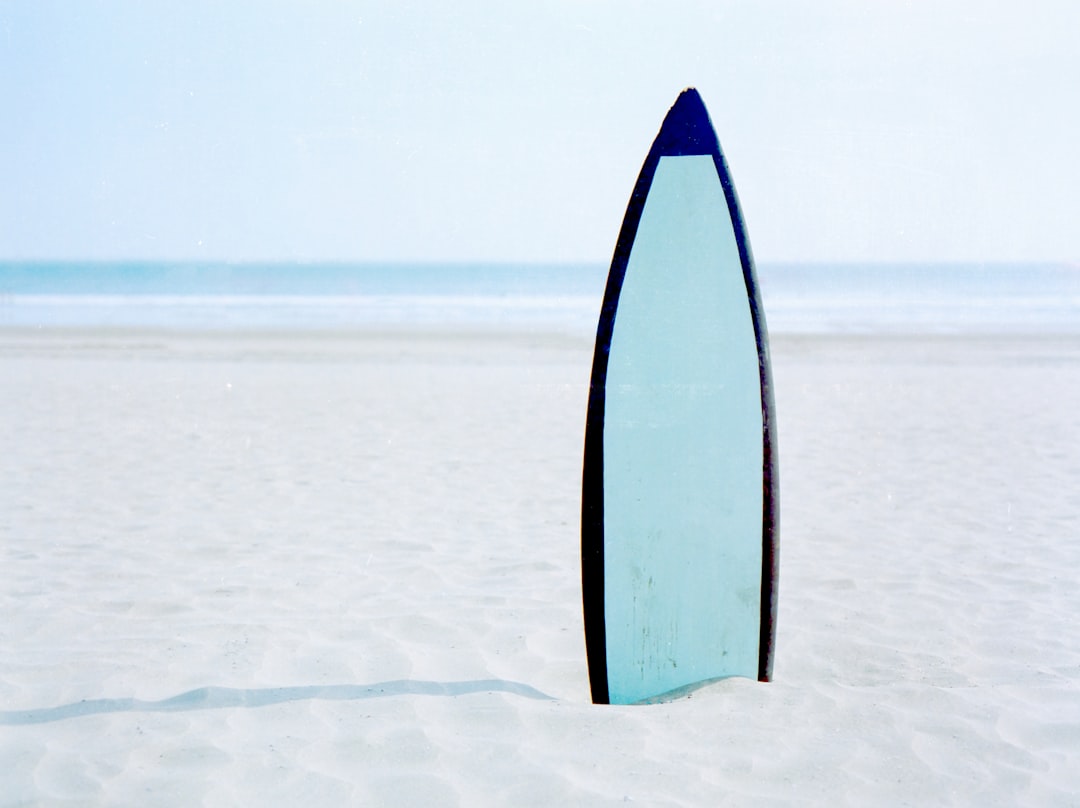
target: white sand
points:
(388, 525)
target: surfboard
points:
(679, 529)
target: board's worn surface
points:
(679, 505)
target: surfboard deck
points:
(679, 530)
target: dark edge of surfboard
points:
(686, 130)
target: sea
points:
(822, 298)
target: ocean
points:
(799, 298)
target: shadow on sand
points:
(212, 698)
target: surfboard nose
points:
(686, 128)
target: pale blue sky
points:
(466, 130)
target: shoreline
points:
(448, 343)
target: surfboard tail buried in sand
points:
(679, 494)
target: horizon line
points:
(432, 262)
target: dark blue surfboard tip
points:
(687, 129)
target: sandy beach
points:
(277, 569)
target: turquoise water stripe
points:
(682, 448)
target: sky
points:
(402, 130)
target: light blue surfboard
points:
(679, 505)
